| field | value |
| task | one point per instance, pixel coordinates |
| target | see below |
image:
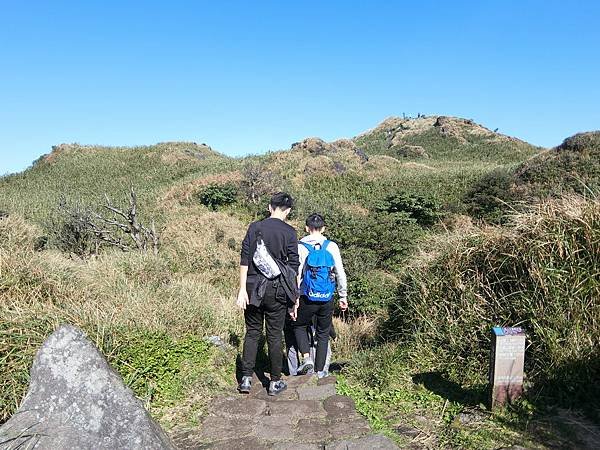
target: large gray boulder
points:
(77, 401)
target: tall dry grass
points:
(542, 273)
(110, 296)
(353, 336)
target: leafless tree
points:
(118, 227)
(257, 181)
(127, 222)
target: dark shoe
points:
(277, 387)
(306, 367)
(245, 385)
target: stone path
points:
(309, 415)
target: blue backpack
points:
(318, 282)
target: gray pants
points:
(293, 356)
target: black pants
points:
(272, 312)
(323, 312)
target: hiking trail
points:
(308, 415)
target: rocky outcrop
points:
(77, 401)
(314, 146)
(318, 147)
(450, 127)
(345, 144)
(409, 151)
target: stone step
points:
(309, 415)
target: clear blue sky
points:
(246, 77)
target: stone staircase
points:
(309, 415)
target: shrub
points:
(79, 230)
(370, 292)
(158, 367)
(489, 197)
(425, 211)
(216, 195)
(70, 233)
(258, 183)
(387, 238)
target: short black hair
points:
(315, 221)
(281, 200)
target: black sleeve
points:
(245, 255)
(292, 251)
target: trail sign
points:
(506, 364)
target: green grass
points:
(438, 147)
(85, 175)
(147, 318)
(403, 399)
(572, 167)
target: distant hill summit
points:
(169, 152)
(397, 128)
(425, 143)
(440, 136)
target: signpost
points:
(506, 365)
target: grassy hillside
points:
(572, 167)
(87, 173)
(396, 199)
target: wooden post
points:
(506, 365)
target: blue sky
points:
(246, 77)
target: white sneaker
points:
(306, 366)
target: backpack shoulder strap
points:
(309, 247)
(326, 242)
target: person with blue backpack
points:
(321, 271)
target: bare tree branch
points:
(124, 223)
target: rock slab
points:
(77, 401)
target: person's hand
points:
(344, 304)
(242, 299)
(294, 313)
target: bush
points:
(370, 292)
(425, 211)
(387, 239)
(258, 183)
(216, 195)
(70, 232)
(489, 197)
(158, 367)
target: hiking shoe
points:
(277, 387)
(322, 374)
(245, 385)
(306, 367)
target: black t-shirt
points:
(279, 237)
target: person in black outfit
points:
(265, 300)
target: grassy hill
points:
(87, 173)
(572, 167)
(399, 201)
